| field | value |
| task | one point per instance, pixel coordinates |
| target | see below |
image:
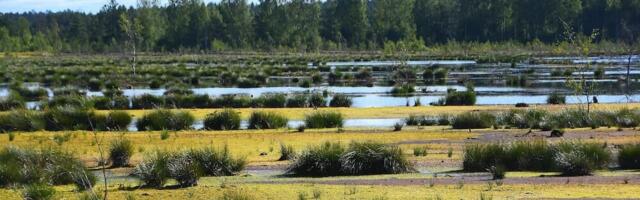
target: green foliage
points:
(340, 100)
(38, 191)
(555, 98)
(570, 158)
(214, 162)
(267, 120)
(222, 120)
(165, 120)
(286, 152)
(118, 121)
(474, 120)
(403, 90)
(420, 151)
(324, 119)
(44, 166)
(120, 151)
(361, 158)
(455, 98)
(629, 156)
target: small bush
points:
(340, 100)
(363, 158)
(267, 120)
(12, 102)
(420, 151)
(403, 90)
(322, 160)
(118, 121)
(555, 98)
(147, 101)
(324, 120)
(214, 162)
(21, 120)
(153, 170)
(223, 120)
(398, 127)
(165, 120)
(629, 156)
(286, 152)
(72, 118)
(557, 133)
(164, 135)
(317, 100)
(474, 120)
(455, 98)
(497, 172)
(183, 168)
(297, 101)
(578, 159)
(270, 101)
(38, 191)
(120, 152)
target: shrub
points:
(21, 120)
(146, 101)
(416, 120)
(165, 120)
(363, 158)
(340, 100)
(557, 133)
(627, 118)
(403, 90)
(69, 100)
(577, 159)
(322, 160)
(120, 152)
(398, 127)
(118, 120)
(530, 118)
(555, 98)
(30, 94)
(420, 151)
(317, 100)
(38, 191)
(184, 169)
(231, 101)
(164, 135)
(297, 101)
(223, 120)
(153, 170)
(324, 119)
(455, 98)
(72, 118)
(271, 101)
(522, 105)
(497, 172)
(479, 157)
(217, 162)
(267, 120)
(629, 156)
(286, 152)
(26, 166)
(444, 120)
(473, 120)
(12, 102)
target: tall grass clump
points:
(321, 160)
(72, 118)
(12, 102)
(317, 100)
(38, 191)
(267, 120)
(183, 168)
(19, 166)
(555, 98)
(217, 162)
(222, 120)
(118, 121)
(165, 120)
(340, 100)
(146, 101)
(324, 119)
(578, 159)
(570, 158)
(286, 152)
(455, 98)
(297, 101)
(120, 152)
(152, 171)
(473, 120)
(629, 156)
(362, 158)
(271, 101)
(21, 120)
(530, 118)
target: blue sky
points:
(59, 5)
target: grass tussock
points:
(165, 120)
(120, 151)
(473, 120)
(324, 119)
(267, 120)
(223, 120)
(360, 158)
(629, 156)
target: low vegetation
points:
(222, 120)
(267, 120)
(360, 158)
(324, 119)
(165, 120)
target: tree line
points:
(309, 25)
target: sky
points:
(91, 6)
